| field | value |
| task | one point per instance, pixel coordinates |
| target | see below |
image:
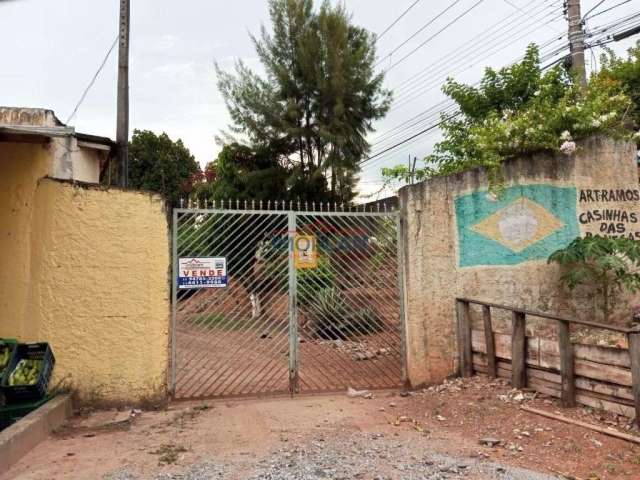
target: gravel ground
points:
(344, 457)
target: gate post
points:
(293, 314)
(174, 298)
(400, 237)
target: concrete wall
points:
(85, 269)
(71, 161)
(70, 158)
(462, 241)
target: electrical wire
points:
(93, 80)
(491, 34)
(455, 20)
(599, 34)
(449, 112)
(436, 81)
(586, 15)
(606, 10)
(520, 9)
(487, 51)
(397, 20)
(619, 24)
(417, 32)
(472, 48)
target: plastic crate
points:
(25, 393)
(10, 414)
(11, 343)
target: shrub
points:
(608, 266)
(519, 110)
(331, 317)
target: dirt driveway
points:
(428, 435)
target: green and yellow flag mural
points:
(527, 222)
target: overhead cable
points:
(397, 20)
(455, 20)
(417, 32)
(93, 80)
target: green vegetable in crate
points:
(5, 355)
(26, 372)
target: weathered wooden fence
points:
(600, 377)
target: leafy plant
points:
(609, 266)
(331, 317)
(519, 110)
(162, 165)
(312, 280)
(627, 73)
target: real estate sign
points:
(202, 272)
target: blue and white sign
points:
(202, 272)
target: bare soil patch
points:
(387, 437)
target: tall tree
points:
(159, 164)
(318, 99)
(240, 173)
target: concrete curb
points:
(18, 440)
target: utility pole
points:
(122, 128)
(576, 40)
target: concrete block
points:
(21, 437)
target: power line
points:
(586, 15)
(447, 114)
(606, 33)
(605, 10)
(397, 20)
(432, 82)
(520, 9)
(486, 35)
(422, 132)
(417, 32)
(495, 45)
(435, 35)
(93, 80)
(449, 110)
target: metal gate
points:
(282, 301)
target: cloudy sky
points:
(52, 49)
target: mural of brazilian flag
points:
(527, 222)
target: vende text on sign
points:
(202, 272)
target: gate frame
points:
(292, 280)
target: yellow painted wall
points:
(85, 269)
(21, 165)
(100, 290)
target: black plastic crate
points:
(11, 343)
(10, 414)
(24, 393)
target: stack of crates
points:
(19, 400)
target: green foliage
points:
(627, 72)
(519, 110)
(159, 164)
(316, 104)
(610, 266)
(242, 173)
(332, 317)
(311, 280)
